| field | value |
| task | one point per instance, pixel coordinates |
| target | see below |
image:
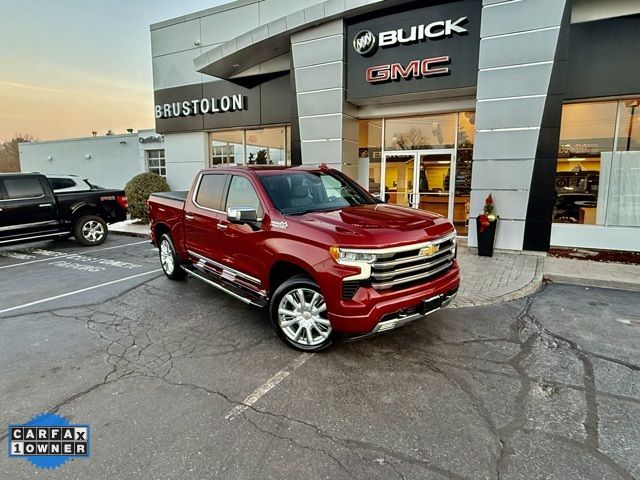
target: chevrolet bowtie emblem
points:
(428, 251)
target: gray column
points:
(518, 98)
(328, 125)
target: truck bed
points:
(167, 208)
(181, 195)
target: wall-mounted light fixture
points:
(87, 156)
(50, 158)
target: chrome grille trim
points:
(416, 258)
(411, 269)
(413, 278)
(403, 265)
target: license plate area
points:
(431, 304)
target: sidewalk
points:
(505, 276)
(130, 228)
(592, 274)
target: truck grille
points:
(413, 264)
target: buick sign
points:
(364, 42)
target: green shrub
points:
(138, 190)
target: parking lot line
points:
(268, 385)
(18, 307)
(74, 253)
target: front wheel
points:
(169, 259)
(90, 230)
(298, 315)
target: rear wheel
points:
(298, 315)
(169, 259)
(90, 230)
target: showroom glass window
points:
(598, 170)
(156, 162)
(227, 147)
(421, 133)
(369, 154)
(267, 146)
(256, 146)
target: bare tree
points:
(409, 140)
(9, 153)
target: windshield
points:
(301, 192)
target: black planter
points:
(486, 238)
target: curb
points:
(130, 234)
(592, 282)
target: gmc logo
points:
(427, 67)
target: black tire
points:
(303, 319)
(171, 262)
(90, 230)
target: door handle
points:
(44, 205)
(189, 217)
(221, 226)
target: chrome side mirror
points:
(242, 215)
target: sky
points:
(70, 67)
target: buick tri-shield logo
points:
(364, 42)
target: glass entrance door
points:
(398, 178)
(434, 172)
(420, 179)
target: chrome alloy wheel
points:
(166, 257)
(302, 317)
(93, 231)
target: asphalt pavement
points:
(180, 381)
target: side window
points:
(210, 191)
(59, 183)
(242, 194)
(18, 188)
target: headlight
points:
(346, 256)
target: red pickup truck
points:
(311, 245)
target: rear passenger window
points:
(242, 194)
(18, 188)
(59, 183)
(209, 193)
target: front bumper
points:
(371, 311)
(402, 318)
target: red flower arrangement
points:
(488, 214)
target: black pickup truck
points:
(30, 211)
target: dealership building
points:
(109, 160)
(431, 105)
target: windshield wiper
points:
(302, 212)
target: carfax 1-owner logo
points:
(48, 441)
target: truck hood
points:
(377, 226)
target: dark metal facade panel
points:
(461, 48)
(603, 58)
(266, 100)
